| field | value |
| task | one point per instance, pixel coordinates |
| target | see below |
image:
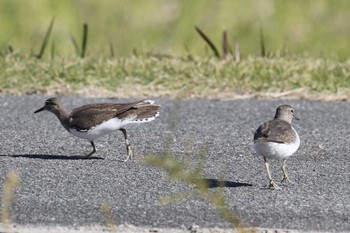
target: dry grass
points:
(164, 76)
(11, 182)
(106, 210)
(193, 175)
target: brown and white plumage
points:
(92, 121)
(277, 139)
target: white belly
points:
(106, 127)
(273, 150)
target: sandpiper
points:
(277, 139)
(92, 121)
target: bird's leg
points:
(128, 147)
(93, 150)
(273, 185)
(285, 177)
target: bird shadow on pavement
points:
(54, 157)
(215, 183)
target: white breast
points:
(273, 150)
(100, 130)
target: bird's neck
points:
(284, 118)
(63, 115)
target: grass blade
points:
(6, 50)
(46, 39)
(11, 182)
(106, 210)
(262, 43)
(76, 46)
(10, 49)
(53, 49)
(4, 47)
(84, 42)
(111, 49)
(237, 52)
(225, 48)
(208, 41)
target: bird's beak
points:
(40, 109)
(296, 118)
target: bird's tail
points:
(146, 111)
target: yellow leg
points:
(273, 185)
(285, 176)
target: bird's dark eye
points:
(292, 111)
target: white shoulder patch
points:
(149, 101)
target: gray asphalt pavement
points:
(58, 188)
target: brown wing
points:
(273, 131)
(142, 110)
(91, 115)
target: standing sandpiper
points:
(277, 139)
(92, 121)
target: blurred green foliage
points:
(299, 26)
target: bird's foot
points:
(88, 155)
(286, 179)
(92, 152)
(273, 185)
(130, 154)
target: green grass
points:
(115, 41)
(316, 27)
(164, 76)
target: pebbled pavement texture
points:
(59, 188)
